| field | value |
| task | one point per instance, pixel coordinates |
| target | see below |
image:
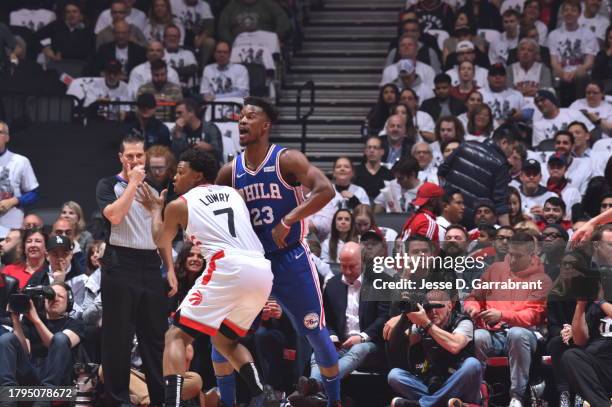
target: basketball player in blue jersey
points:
(270, 178)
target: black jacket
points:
(372, 314)
(406, 147)
(432, 106)
(76, 44)
(478, 170)
(136, 56)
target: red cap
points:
(426, 191)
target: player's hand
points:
(352, 340)
(147, 198)
(583, 234)
(389, 325)
(275, 309)
(136, 174)
(491, 316)
(172, 282)
(279, 233)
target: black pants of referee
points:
(133, 301)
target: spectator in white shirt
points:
(142, 73)
(572, 53)
(559, 184)
(592, 20)
(467, 52)
(582, 140)
(533, 195)
(527, 75)
(551, 118)
(199, 22)
(160, 16)
(423, 153)
(31, 17)
(453, 208)
(398, 193)
(498, 51)
(595, 107)
(531, 15)
(118, 12)
(423, 123)
(506, 104)
(579, 170)
(224, 79)
(132, 16)
(416, 73)
(182, 60)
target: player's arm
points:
(224, 177)
(296, 166)
(584, 232)
(164, 231)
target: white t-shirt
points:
(91, 89)
(430, 173)
(542, 32)
(571, 47)
(604, 110)
(391, 197)
(498, 51)
(480, 76)
(180, 59)
(155, 32)
(256, 47)
(141, 74)
(31, 19)
(597, 25)
(578, 174)
(531, 201)
(501, 103)
(544, 129)
(16, 178)
(424, 71)
(511, 5)
(232, 81)
(423, 122)
(530, 76)
(136, 18)
(191, 16)
(121, 55)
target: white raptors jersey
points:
(218, 219)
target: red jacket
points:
(422, 223)
(520, 307)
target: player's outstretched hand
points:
(279, 233)
(172, 282)
(148, 198)
(583, 234)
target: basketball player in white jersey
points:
(236, 284)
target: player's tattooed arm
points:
(296, 168)
(224, 177)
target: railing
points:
(298, 110)
(20, 109)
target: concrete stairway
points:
(343, 53)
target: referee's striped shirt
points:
(134, 231)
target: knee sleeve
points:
(324, 350)
(216, 356)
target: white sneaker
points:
(515, 402)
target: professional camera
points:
(20, 303)
(410, 300)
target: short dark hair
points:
(511, 12)
(406, 165)
(448, 196)
(264, 104)
(158, 64)
(420, 238)
(30, 232)
(458, 226)
(130, 138)
(522, 238)
(578, 123)
(564, 133)
(499, 136)
(520, 149)
(442, 78)
(190, 105)
(202, 162)
(556, 201)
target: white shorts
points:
(231, 291)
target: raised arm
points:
(584, 232)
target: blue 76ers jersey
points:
(268, 197)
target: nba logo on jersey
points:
(311, 320)
(195, 298)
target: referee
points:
(133, 290)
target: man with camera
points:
(38, 351)
(450, 371)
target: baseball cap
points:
(465, 46)
(59, 242)
(497, 69)
(546, 94)
(425, 192)
(371, 234)
(112, 66)
(486, 202)
(558, 158)
(531, 165)
(146, 101)
(406, 65)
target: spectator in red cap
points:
(423, 222)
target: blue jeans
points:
(519, 344)
(464, 384)
(348, 359)
(16, 367)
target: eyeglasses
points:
(606, 205)
(160, 168)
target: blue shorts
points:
(296, 288)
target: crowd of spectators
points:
(490, 139)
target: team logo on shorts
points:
(195, 298)
(311, 320)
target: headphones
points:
(69, 295)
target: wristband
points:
(428, 326)
(284, 224)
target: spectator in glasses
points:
(161, 167)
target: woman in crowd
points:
(421, 121)
(531, 16)
(594, 106)
(514, 201)
(160, 16)
(602, 69)
(473, 99)
(35, 253)
(464, 31)
(348, 195)
(365, 221)
(73, 212)
(189, 265)
(342, 231)
(387, 98)
(467, 84)
(448, 147)
(480, 123)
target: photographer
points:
(38, 351)
(450, 372)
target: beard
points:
(9, 257)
